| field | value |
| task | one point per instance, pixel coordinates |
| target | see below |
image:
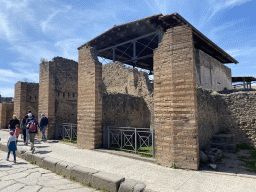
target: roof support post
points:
(244, 83)
(134, 53)
(114, 54)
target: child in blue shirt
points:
(11, 145)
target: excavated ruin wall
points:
(117, 78)
(123, 110)
(234, 111)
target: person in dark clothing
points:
(32, 134)
(14, 121)
(24, 131)
(43, 126)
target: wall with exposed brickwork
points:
(25, 98)
(175, 100)
(211, 74)
(58, 92)
(89, 132)
(6, 113)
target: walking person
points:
(32, 126)
(43, 126)
(14, 121)
(17, 132)
(24, 131)
(11, 143)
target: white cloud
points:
(6, 92)
(10, 76)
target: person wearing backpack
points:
(32, 125)
(43, 125)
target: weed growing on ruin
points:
(32, 162)
(63, 175)
(87, 184)
(73, 178)
(174, 166)
(248, 161)
(74, 141)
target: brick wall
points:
(89, 133)
(6, 113)
(25, 98)
(175, 102)
(58, 92)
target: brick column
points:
(175, 101)
(46, 102)
(20, 99)
(89, 107)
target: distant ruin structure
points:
(58, 93)
(181, 59)
(6, 111)
(25, 98)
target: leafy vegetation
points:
(248, 161)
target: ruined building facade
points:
(25, 98)
(58, 92)
(6, 111)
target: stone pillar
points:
(89, 113)
(175, 100)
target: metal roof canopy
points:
(243, 78)
(133, 43)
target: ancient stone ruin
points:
(6, 111)
(184, 105)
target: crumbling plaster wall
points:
(211, 74)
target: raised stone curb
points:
(102, 180)
(107, 181)
(130, 185)
(82, 174)
(64, 168)
(50, 163)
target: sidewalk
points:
(156, 177)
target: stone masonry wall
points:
(211, 74)
(89, 111)
(237, 113)
(230, 110)
(207, 117)
(124, 110)
(117, 78)
(25, 98)
(58, 92)
(175, 100)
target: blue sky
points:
(35, 29)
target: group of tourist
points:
(29, 127)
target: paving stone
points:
(33, 188)
(4, 184)
(14, 176)
(68, 186)
(3, 173)
(31, 179)
(13, 188)
(48, 189)
(79, 190)
(52, 183)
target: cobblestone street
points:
(25, 177)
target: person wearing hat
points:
(11, 143)
(32, 126)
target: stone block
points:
(28, 156)
(107, 181)
(130, 185)
(39, 159)
(82, 174)
(50, 163)
(64, 167)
